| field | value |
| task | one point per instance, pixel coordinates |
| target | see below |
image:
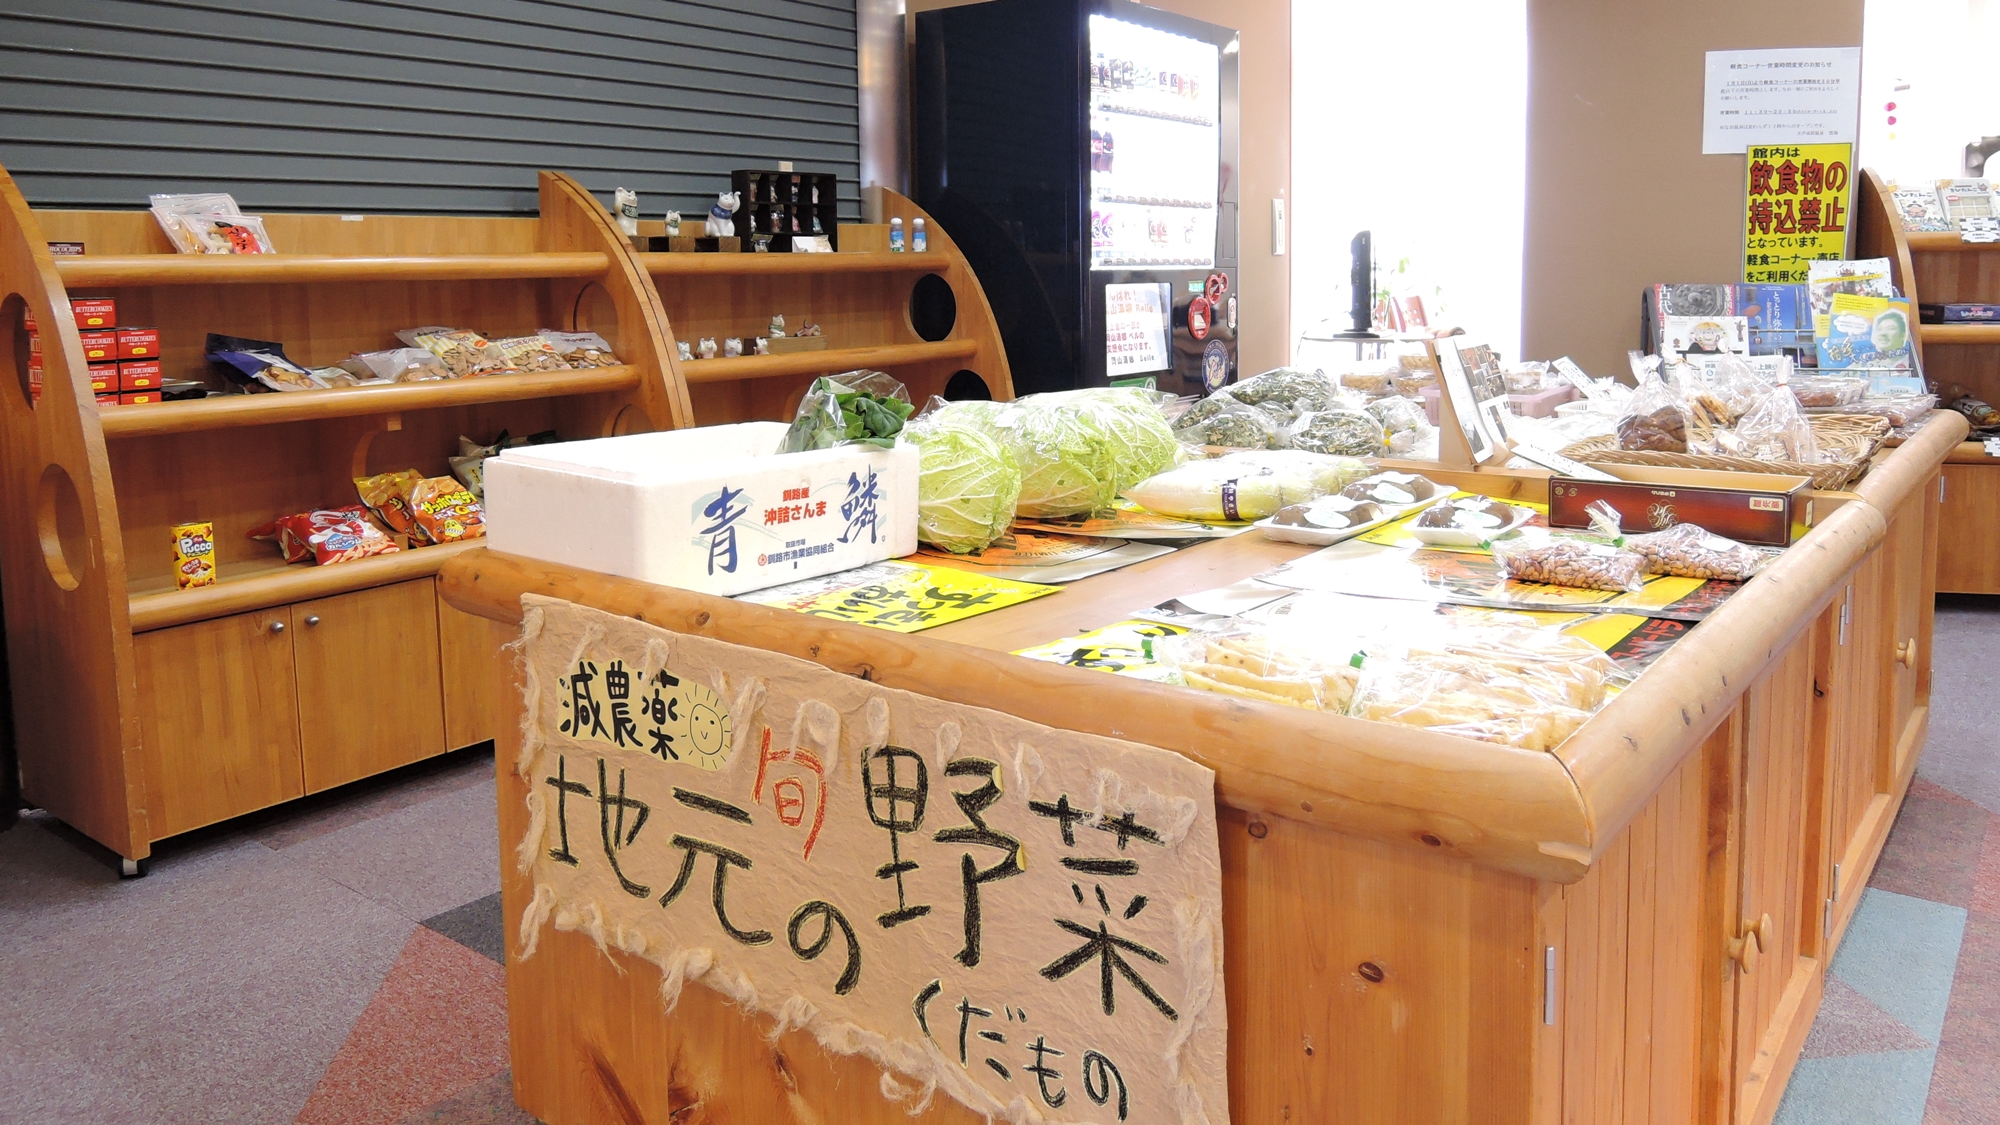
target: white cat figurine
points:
(721, 224)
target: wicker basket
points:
(1846, 442)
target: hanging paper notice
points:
(1790, 96)
(1023, 919)
(1798, 208)
(1135, 328)
(902, 597)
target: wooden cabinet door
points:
(472, 704)
(218, 719)
(1909, 608)
(370, 697)
(1967, 562)
(1780, 892)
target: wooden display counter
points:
(1418, 927)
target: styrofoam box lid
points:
(668, 456)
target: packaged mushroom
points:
(1687, 551)
(1468, 521)
(1393, 489)
(1576, 563)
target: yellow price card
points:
(1123, 647)
(903, 597)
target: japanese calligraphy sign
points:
(1798, 209)
(1025, 919)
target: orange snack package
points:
(388, 496)
(194, 555)
(446, 511)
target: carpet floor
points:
(338, 961)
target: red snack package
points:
(326, 535)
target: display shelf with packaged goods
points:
(920, 316)
(93, 494)
(1649, 907)
(1939, 267)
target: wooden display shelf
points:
(241, 587)
(230, 411)
(299, 269)
(825, 362)
(789, 265)
(1944, 241)
(1935, 334)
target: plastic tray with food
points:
(1469, 521)
(1361, 507)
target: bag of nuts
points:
(1571, 562)
(1686, 550)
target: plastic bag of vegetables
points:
(967, 483)
(1245, 486)
(1233, 425)
(855, 407)
(1338, 430)
(1294, 389)
(1078, 449)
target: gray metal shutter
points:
(440, 106)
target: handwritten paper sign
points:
(1135, 328)
(1025, 919)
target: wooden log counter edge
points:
(1545, 816)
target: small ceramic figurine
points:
(733, 346)
(810, 329)
(673, 223)
(763, 346)
(707, 348)
(778, 325)
(721, 221)
(687, 353)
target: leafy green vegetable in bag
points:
(857, 407)
(967, 484)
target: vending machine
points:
(1082, 153)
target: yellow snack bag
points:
(194, 555)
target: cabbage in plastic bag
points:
(967, 485)
(1078, 449)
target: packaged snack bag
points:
(388, 496)
(194, 555)
(326, 535)
(446, 511)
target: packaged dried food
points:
(396, 365)
(1977, 412)
(209, 223)
(445, 511)
(1252, 665)
(1393, 488)
(1725, 390)
(326, 535)
(1571, 562)
(1527, 379)
(1370, 383)
(1340, 431)
(1295, 389)
(529, 353)
(1525, 686)
(1688, 551)
(1231, 425)
(1828, 391)
(1654, 420)
(259, 364)
(1776, 429)
(194, 555)
(580, 349)
(388, 496)
(1243, 486)
(463, 352)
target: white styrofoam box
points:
(712, 509)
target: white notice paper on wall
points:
(1788, 96)
(1135, 328)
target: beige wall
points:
(1265, 281)
(1619, 195)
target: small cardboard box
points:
(104, 378)
(1763, 508)
(138, 343)
(140, 398)
(107, 400)
(99, 347)
(139, 375)
(94, 312)
(713, 509)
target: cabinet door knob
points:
(313, 620)
(1753, 941)
(1906, 653)
(277, 626)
